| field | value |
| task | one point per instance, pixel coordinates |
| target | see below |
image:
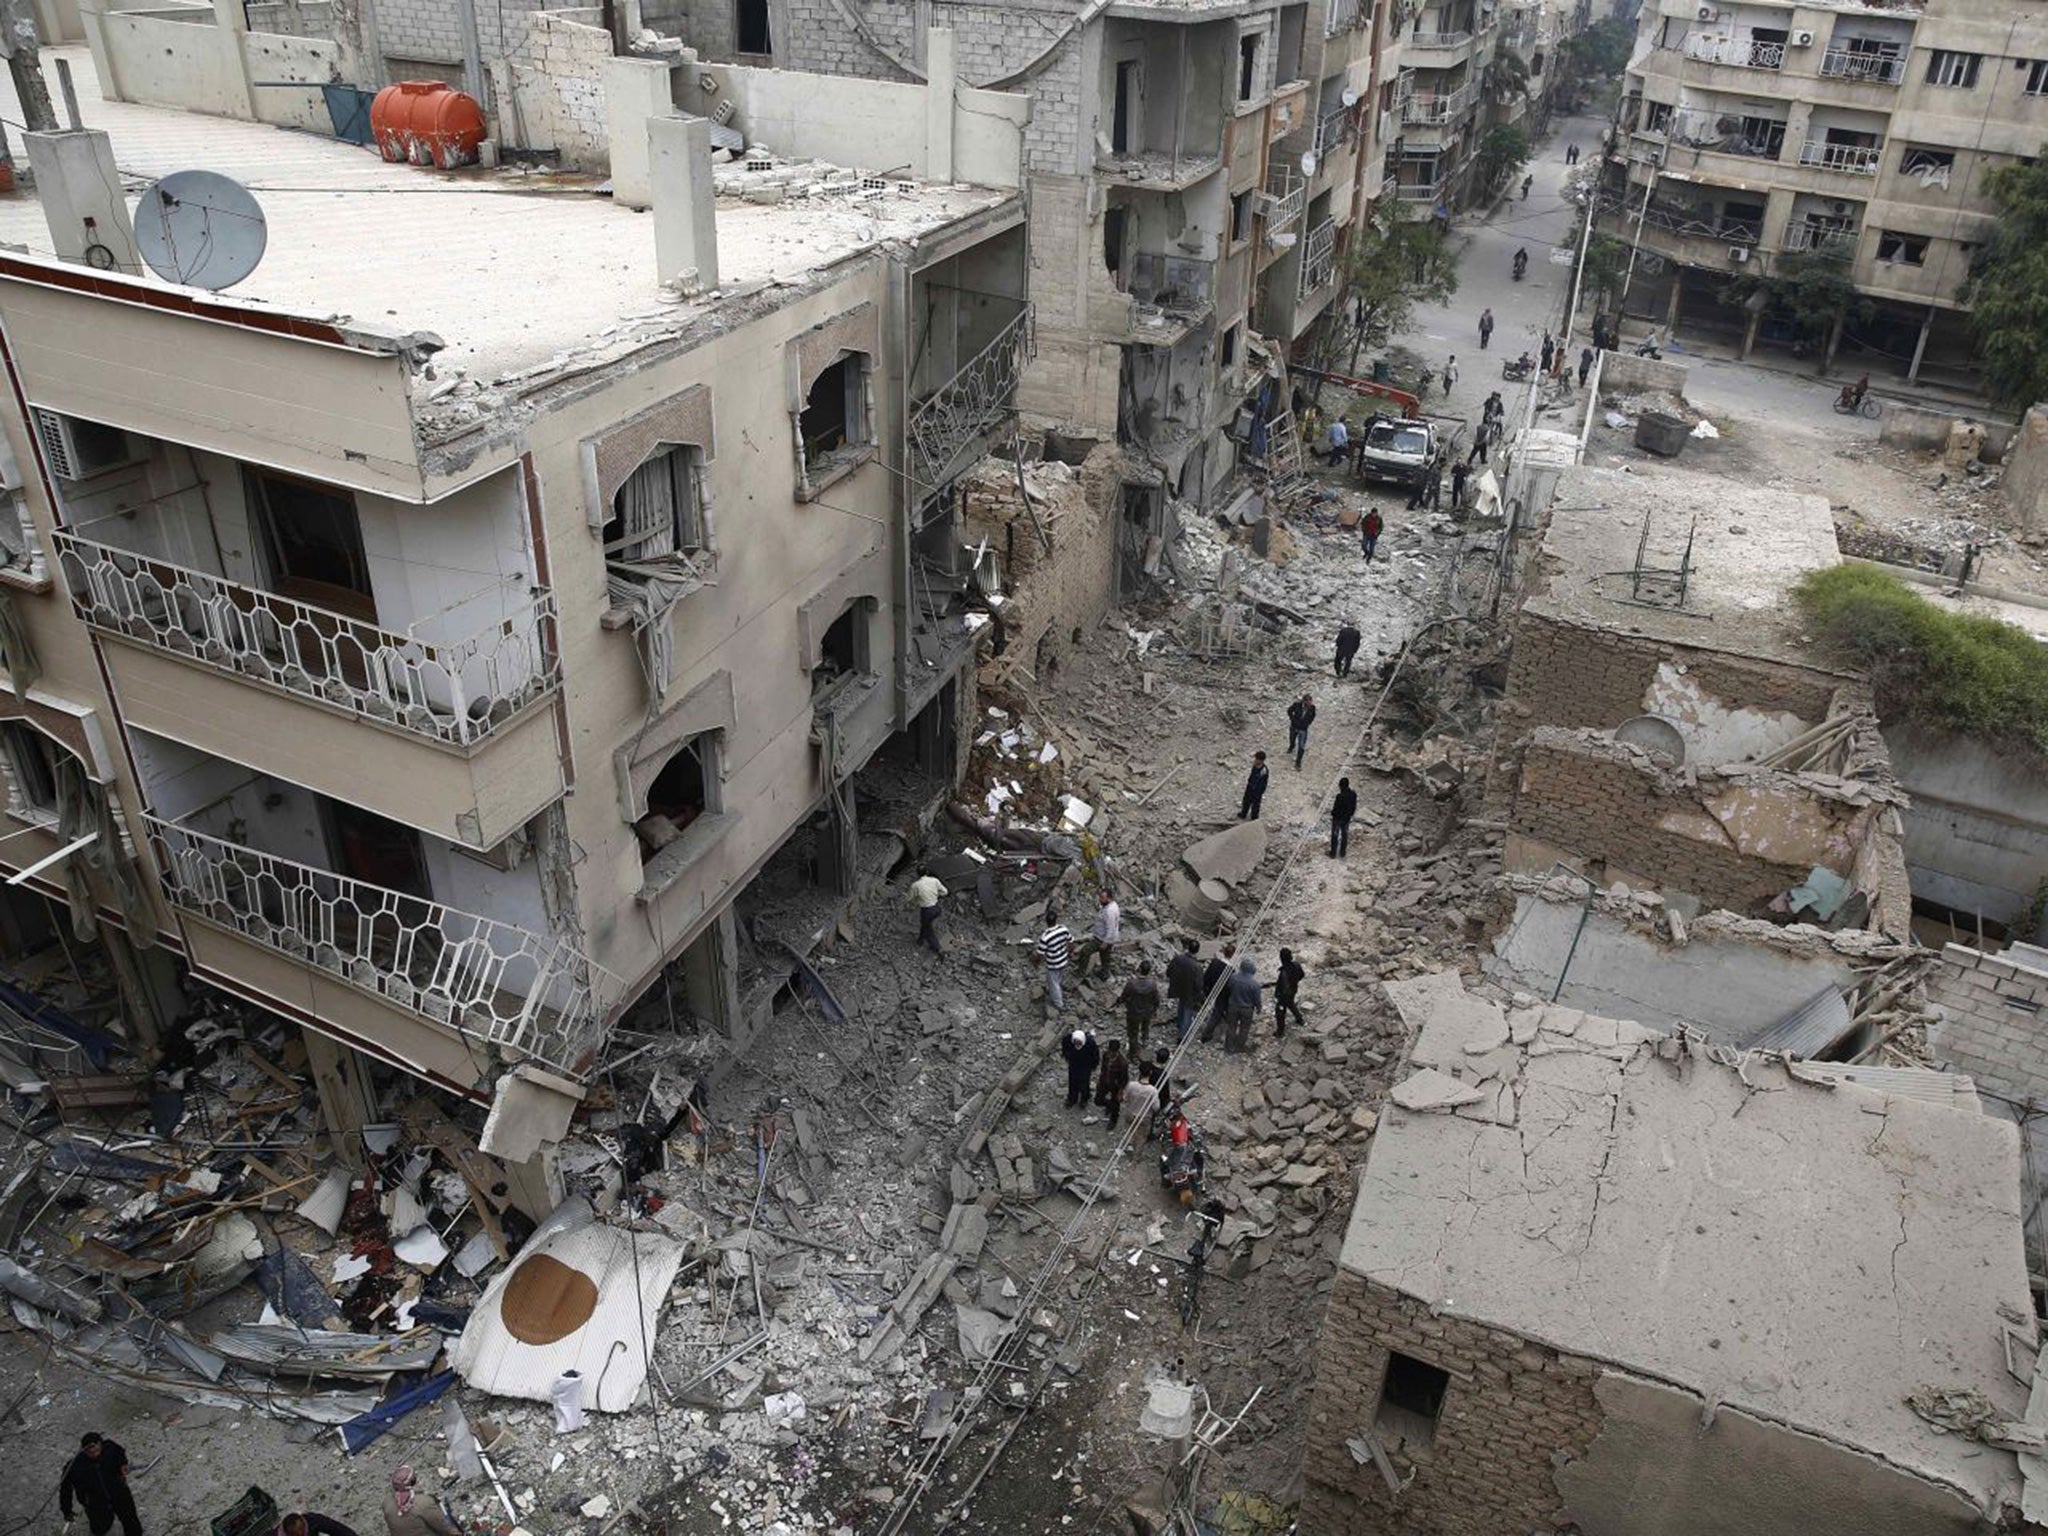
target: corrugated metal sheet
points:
(1809, 1029)
(607, 1347)
(1951, 1088)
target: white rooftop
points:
(511, 269)
(1809, 1254)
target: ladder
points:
(1283, 444)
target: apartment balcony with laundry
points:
(397, 656)
(410, 946)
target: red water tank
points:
(427, 122)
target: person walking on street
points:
(1548, 346)
(1369, 527)
(1342, 809)
(1103, 934)
(1112, 1082)
(407, 1514)
(1055, 949)
(1254, 789)
(1478, 455)
(1214, 975)
(1527, 183)
(1301, 714)
(97, 1480)
(1458, 473)
(1245, 996)
(1571, 154)
(926, 891)
(1450, 375)
(1485, 328)
(1184, 988)
(1347, 646)
(1286, 991)
(1140, 998)
(1585, 365)
(1082, 1054)
(1338, 441)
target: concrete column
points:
(1671, 309)
(838, 843)
(1913, 377)
(231, 23)
(942, 77)
(1749, 330)
(635, 91)
(711, 975)
(344, 1095)
(685, 205)
(79, 187)
(472, 50)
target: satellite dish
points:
(1350, 97)
(200, 229)
(1308, 162)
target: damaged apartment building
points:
(502, 604)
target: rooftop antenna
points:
(200, 229)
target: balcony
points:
(1334, 129)
(1418, 41)
(1419, 192)
(1851, 159)
(1431, 108)
(1870, 68)
(1800, 238)
(492, 984)
(947, 428)
(1285, 195)
(1741, 53)
(1170, 296)
(1318, 258)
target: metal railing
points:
(1334, 129)
(508, 988)
(1285, 196)
(1741, 53)
(1342, 16)
(1318, 257)
(978, 397)
(1811, 237)
(1874, 68)
(1438, 39)
(1418, 191)
(1434, 108)
(456, 692)
(1855, 159)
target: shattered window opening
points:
(658, 514)
(834, 422)
(31, 774)
(1411, 1399)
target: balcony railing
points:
(1741, 53)
(980, 396)
(1811, 237)
(1334, 129)
(1342, 16)
(508, 988)
(1875, 68)
(455, 692)
(1439, 39)
(1433, 108)
(1318, 257)
(1855, 159)
(1418, 191)
(1286, 195)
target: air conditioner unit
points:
(79, 450)
(1738, 254)
(1707, 13)
(1802, 39)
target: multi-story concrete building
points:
(1753, 131)
(1192, 171)
(433, 642)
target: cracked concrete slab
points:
(1430, 1090)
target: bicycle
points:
(1210, 1218)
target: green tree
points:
(1505, 77)
(1813, 288)
(1396, 260)
(1602, 49)
(1606, 263)
(2009, 292)
(1504, 151)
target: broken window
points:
(680, 793)
(312, 543)
(658, 514)
(1957, 70)
(1906, 250)
(750, 27)
(2037, 77)
(834, 420)
(1241, 216)
(1763, 136)
(1229, 353)
(843, 651)
(1657, 117)
(1248, 66)
(31, 772)
(1123, 115)
(1411, 1400)
(1930, 167)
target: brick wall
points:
(1613, 807)
(1578, 675)
(1512, 1408)
(815, 38)
(1994, 1021)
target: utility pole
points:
(19, 39)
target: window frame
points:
(1943, 62)
(689, 529)
(19, 739)
(1904, 239)
(2037, 78)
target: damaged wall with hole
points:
(1738, 839)
(1977, 828)
(1048, 592)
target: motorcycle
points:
(1183, 1165)
(1517, 369)
(1847, 404)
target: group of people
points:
(95, 1483)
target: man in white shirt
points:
(926, 891)
(1103, 933)
(1339, 441)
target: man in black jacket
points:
(1301, 714)
(1347, 646)
(1082, 1054)
(1254, 789)
(1219, 966)
(1342, 809)
(98, 1479)
(1184, 988)
(1286, 988)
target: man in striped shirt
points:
(1055, 948)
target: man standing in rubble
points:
(926, 890)
(1369, 527)
(1055, 949)
(1213, 978)
(1082, 1054)
(1140, 998)
(98, 1479)
(1102, 934)
(1348, 640)
(1244, 995)
(1254, 789)
(1342, 809)
(1286, 989)
(1184, 988)
(1301, 714)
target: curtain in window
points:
(647, 511)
